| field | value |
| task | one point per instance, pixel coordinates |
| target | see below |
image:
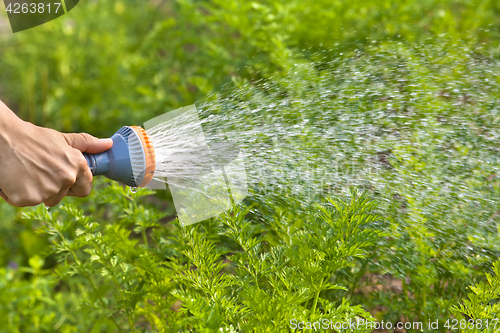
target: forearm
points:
(6, 114)
(9, 123)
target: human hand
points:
(42, 165)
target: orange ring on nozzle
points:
(149, 153)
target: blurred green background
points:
(110, 63)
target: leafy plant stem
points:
(359, 276)
(79, 264)
(317, 296)
(92, 285)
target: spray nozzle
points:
(130, 161)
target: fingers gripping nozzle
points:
(130, 161)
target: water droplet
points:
(133, 189)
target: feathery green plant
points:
(226, 274)
(481, 311)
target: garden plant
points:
(386, 207)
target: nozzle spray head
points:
(130, 161)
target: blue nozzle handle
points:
(98, 163)
(114, 163)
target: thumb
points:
(87, 143)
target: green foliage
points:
(117, 261)
(33, 305)
(109, 62)
(137, 268)
(481, 310)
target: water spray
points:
(130, 161)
